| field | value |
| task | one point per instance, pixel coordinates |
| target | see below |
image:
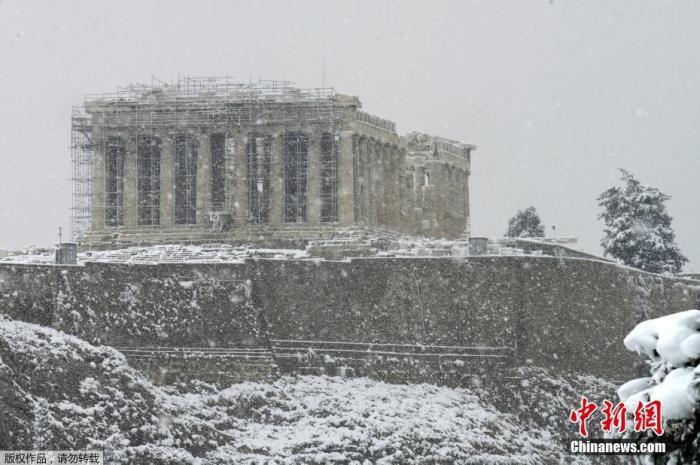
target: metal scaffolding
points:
(213, 100)
(82, 172)
(190, 103)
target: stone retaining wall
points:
(562, 313)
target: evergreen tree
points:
(638, 228)
(525, 223)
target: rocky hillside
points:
(60, 392)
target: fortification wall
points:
(429, 301)
(396, 318)
(133, 306)
(575, 313)
(560, 313)
(173, 322)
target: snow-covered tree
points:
(525, 223)
(672, 346)
(638, 228)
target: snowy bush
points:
(672, 346)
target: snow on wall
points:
(133, 306)
(138, 309)
(565, 314)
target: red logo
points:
(615, 417)
(647, 416)
(581, 415)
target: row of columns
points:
(236, 179)
(377, 176)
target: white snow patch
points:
(672, 342)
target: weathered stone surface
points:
(365, 174)
(559, 313)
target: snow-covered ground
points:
(60, 392)
(175, 253)
(226, 253)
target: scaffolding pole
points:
(217, 103)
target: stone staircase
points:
(223, 365)
(398, 363)
(394, 363)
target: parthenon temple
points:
(208, 159)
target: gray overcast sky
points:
(556, 94)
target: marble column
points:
(372, 201)
(391, 204)
(379, 190)
(364, 180)
(240, 179)
(167, 179)
(276, 178)
(130, 183)
(313, 199)
(346, 177)
(203, 178)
